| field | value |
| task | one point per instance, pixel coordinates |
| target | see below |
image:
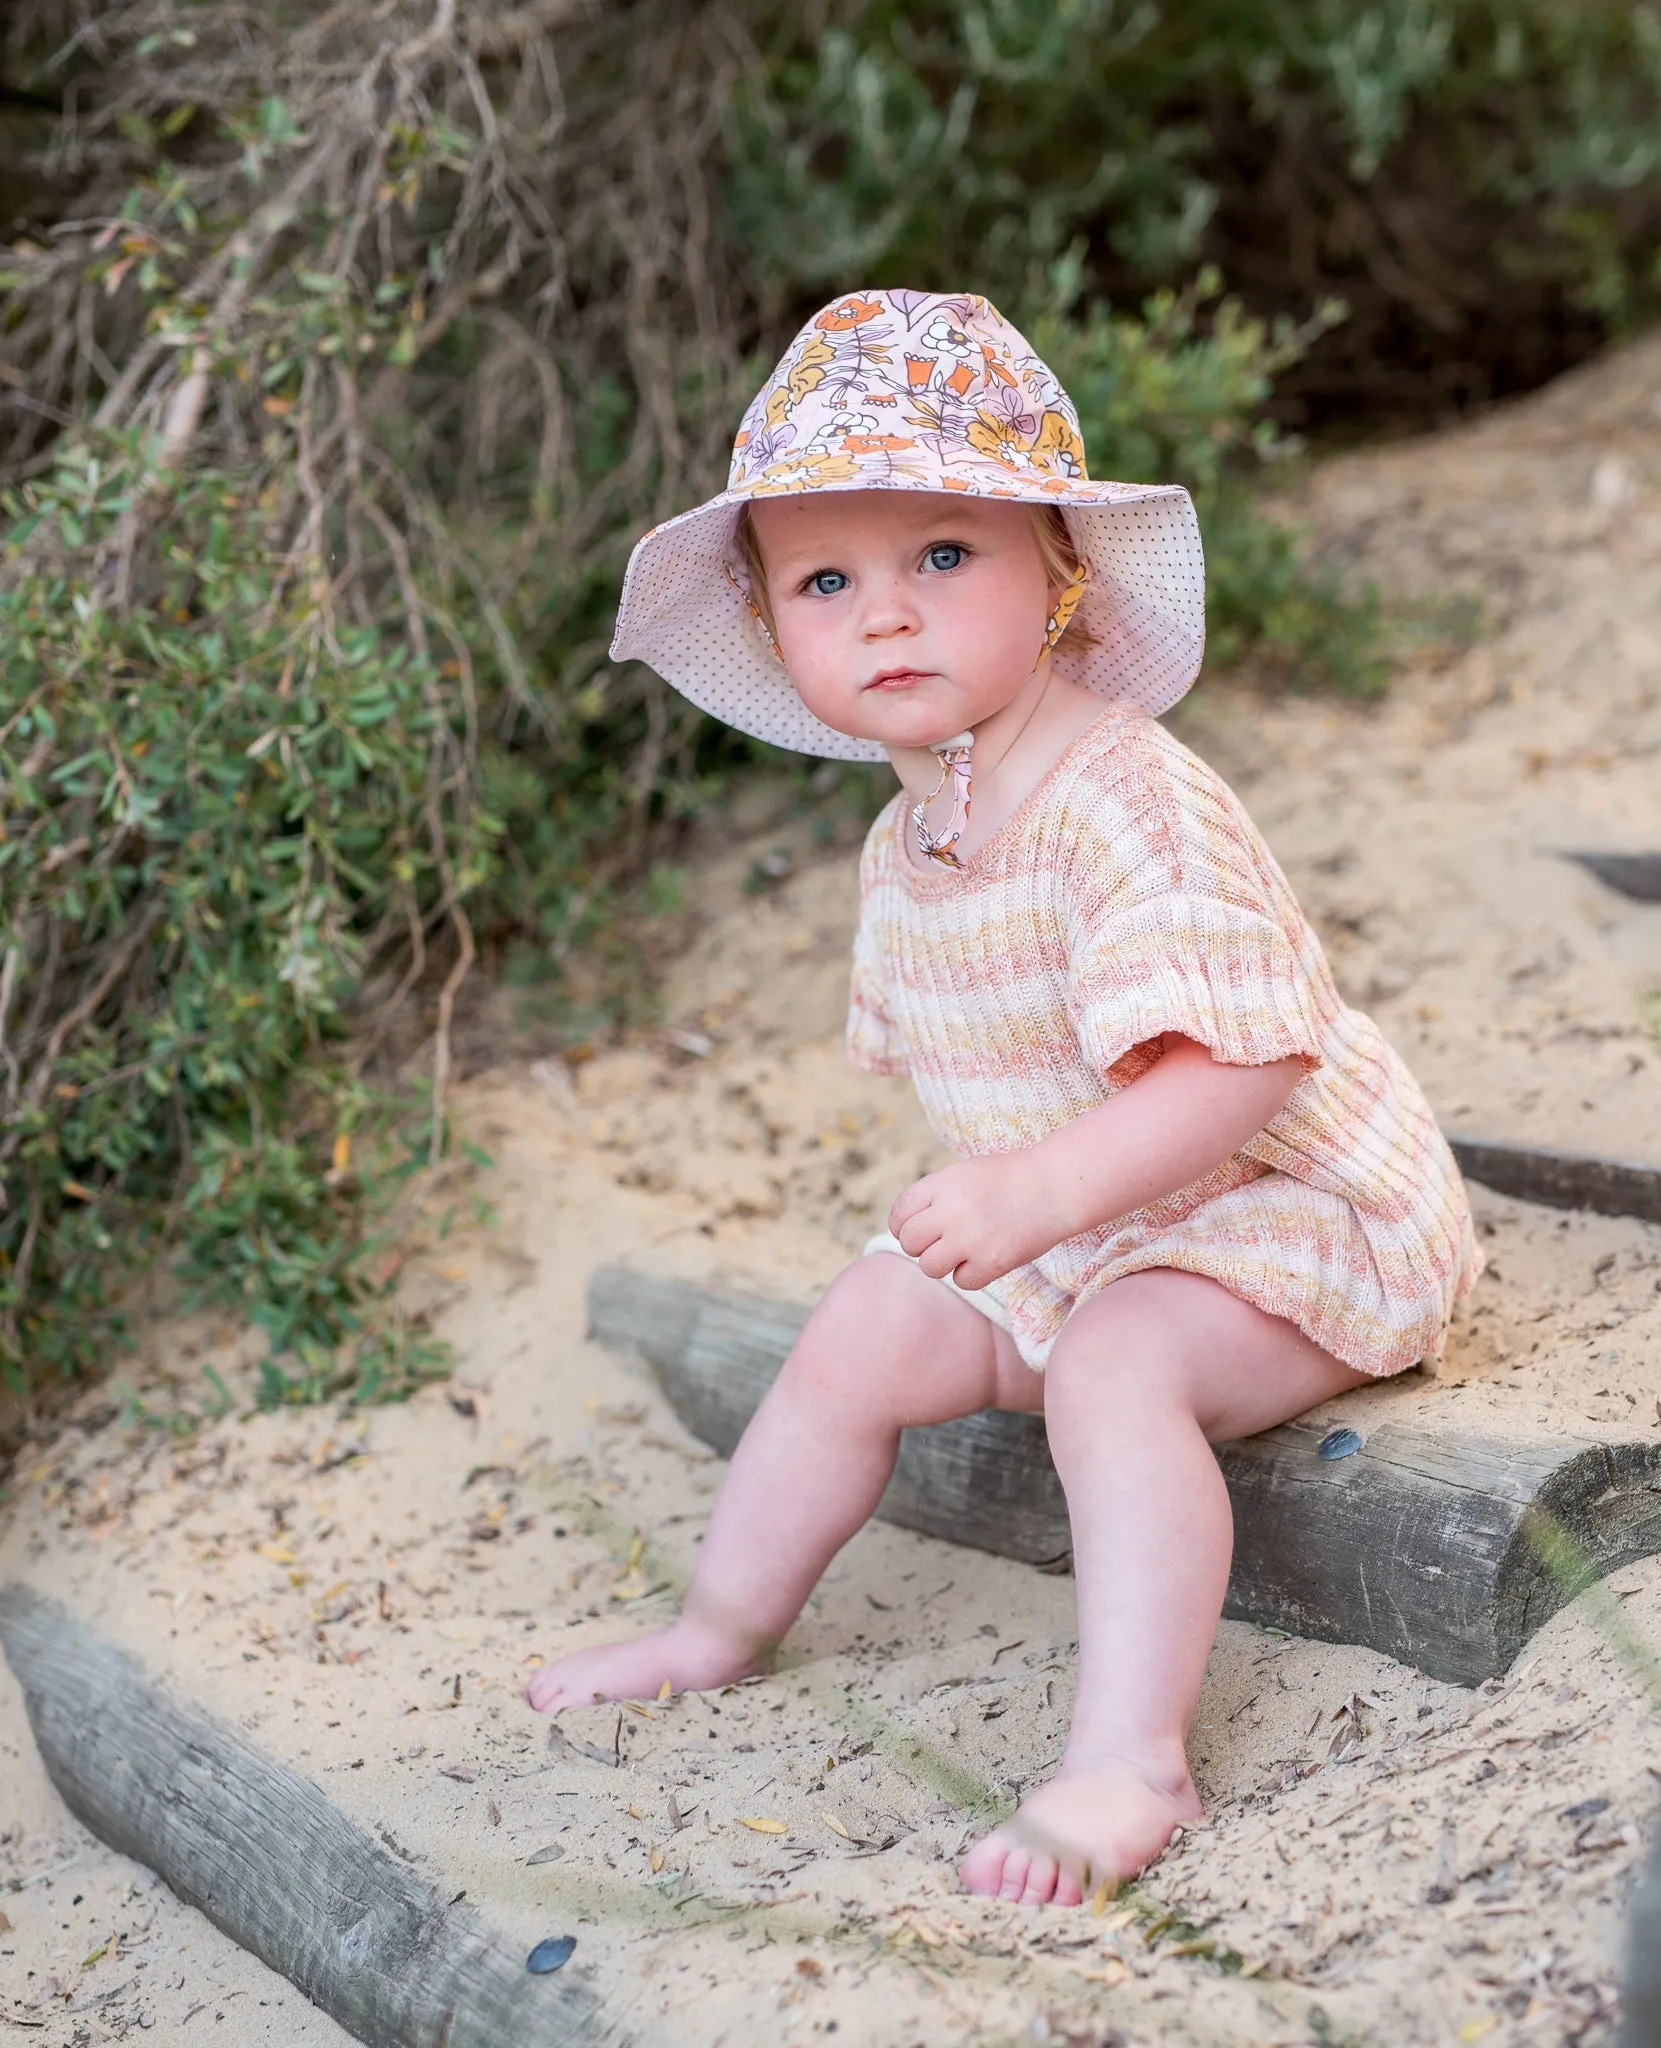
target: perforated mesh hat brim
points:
(1145, 605)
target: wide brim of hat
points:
(682, 615)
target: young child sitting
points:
(1194, 1192)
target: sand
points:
(1385, 1858)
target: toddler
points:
(1194, 1192)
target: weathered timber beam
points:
(1641, 1990)
(1562, 1180)
(1637, 875)
(1425, 1544)
(270, 1861)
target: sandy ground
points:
(1386, 1859)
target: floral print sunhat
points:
(914, 391)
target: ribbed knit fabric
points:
(1128, 896)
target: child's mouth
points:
(899, 679)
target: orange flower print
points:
(847, 313)
(960, 379)
(955, 483)
(876, 444)
(918, 371)
(881, 398)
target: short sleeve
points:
(1215, 971)
(874, 1039)
(1180, 920)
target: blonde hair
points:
(1057, 550)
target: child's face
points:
(903, 616)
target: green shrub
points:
(1480, 180)
(220, 809)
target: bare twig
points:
(446, 1011)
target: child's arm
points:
(979, 1218)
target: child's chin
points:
(896, 723)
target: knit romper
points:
(1128, 896)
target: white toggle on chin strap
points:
(954, 768)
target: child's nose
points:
(890, 611)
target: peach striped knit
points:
(1128, 896)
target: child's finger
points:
(917, 1235)
(940, 1261)
(907, 1204)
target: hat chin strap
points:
(954, 768)
(954, 753)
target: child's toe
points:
(982, 1870)
(1039, 1889)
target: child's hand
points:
(978, 1219)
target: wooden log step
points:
(1439, 1547)
(1637, 875)
(270, 1861)
(1561, 1180)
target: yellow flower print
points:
(803, 472)
(998, 437)
(1057, 446)
(807, 373)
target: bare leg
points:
(887, 1348)
(1141, 1382)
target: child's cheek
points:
(815, 664)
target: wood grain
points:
(1430, 1543)
(266, 1856)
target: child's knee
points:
(874, 1316)
(1122, 1351)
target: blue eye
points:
(827, 583)
(945, 554)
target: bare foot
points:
(686, 1658)
(1084, 1829)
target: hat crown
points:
(931, 390)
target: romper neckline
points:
(937, 876)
